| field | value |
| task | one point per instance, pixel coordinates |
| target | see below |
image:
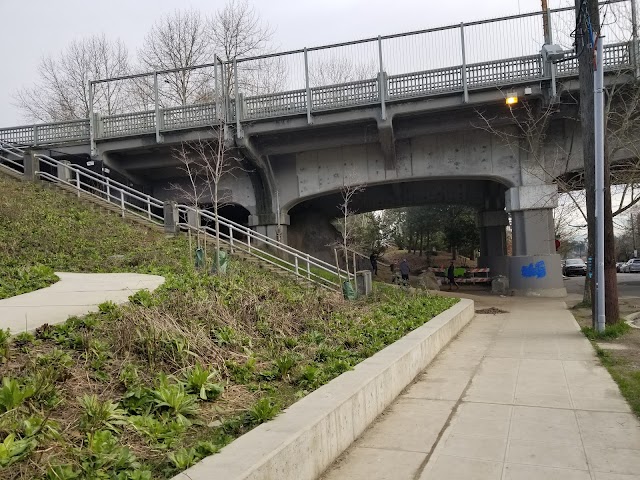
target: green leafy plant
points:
(5, 336)
(62, 472)
(105, 458)
(99, 414)
(13, 393)
(160, 432)
(174, 398)
(183, 458)
(12, 450)
(263, 410)
(284, 364)
(198, 380)
(309, 376)
(144, 298)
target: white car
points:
(632, 266)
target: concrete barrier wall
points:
(307, 437)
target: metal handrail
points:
(147, 202)
(87, 182)
(262, 237)
(293, 267)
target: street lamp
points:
(512, 98)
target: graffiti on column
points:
(539, 270)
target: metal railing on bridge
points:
(454, 59)
(129, 201)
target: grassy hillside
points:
(42, 230)
(147, 389)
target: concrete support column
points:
(31, 166)
(534, 267)
(171, 218)
(64, 173)
(493, 241)
(193, 219)
(267, 224)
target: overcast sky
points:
(32, 29)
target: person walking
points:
(404, 271)
(452, 277)
(374, 263)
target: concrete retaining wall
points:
(305, 439)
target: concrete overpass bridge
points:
(408, 132)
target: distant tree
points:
(177, 41)
(61, 89)
(237, 31)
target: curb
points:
(630, 319)
(312, 433)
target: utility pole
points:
(588, 28)
(598, 103)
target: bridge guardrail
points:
(450, 80)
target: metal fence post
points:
(231, 238)
(552, 66)
(108, 190)
(634, 39)
(296, 265)
(249, 242)
(308, 267)
(215, 88)
(122, 202)
(239, 131)
(465, 86)
(157, 107)
(308, 90)
(149, 207)
(92, 122)
(78, 182)
(382, 82)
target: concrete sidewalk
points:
(516, 396)
(74, 294)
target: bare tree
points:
(347, 192)
(61, 91)
(237, 31)
(206, 163)
(178, 41)
(336, 70)
(218, 163)
(194, 191)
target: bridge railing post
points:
(158, 116)
(308, 90)
(382, 81)
(634, 40)
(36, 129)
(465, 86)
(92, 121)
(238, 101)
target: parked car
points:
(574, 266)
(633, 266)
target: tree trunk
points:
(421, 242)
(611, 305)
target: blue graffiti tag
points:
(538, 270)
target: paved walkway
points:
(74, 294)
(517, 396)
